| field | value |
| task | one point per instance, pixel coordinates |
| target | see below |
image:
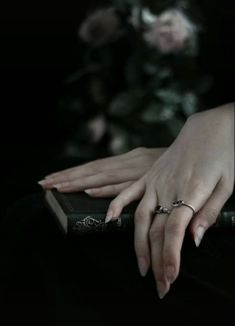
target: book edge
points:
(57, 210)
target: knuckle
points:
(139, 215)
(123, 197)
(114, 205)
(155, 233)
(94, 167)
(209, 215)
(67, 177)
(168, 257)
(140, 248)
(110, 176)
(173, 226)
(199, 186)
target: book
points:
(79, 214)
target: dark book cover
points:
(81, 214)
(78, 213)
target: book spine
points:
(95, 223)
(226, 220)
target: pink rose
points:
(116, 145)
(170, 32)
(100, 27)
(141, 16)
(97, 128)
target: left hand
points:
(105, 177)
(197, 168)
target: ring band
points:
(161, 210)
(179, 203)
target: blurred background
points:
(102, 77)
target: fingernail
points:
(161, 289)
(199, 235)
(143, 267)
(170, 273)
(88, 191)
(91, 191)
(42, 182)
(58, 186)
(109, 217)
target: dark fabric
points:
(217, 49)
(46, 279)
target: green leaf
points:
(189, 104)
(158, 112)
(151, 114)
(125, 103)
(120, 139)
(168, 96)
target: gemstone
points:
(177, 203)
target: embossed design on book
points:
(91, 224)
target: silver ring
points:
(161, 210)
(179, 203)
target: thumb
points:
(209, 213)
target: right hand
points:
(105, 177)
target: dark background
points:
(39, 48)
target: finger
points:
(60, 176)
(54, 175)
(156, 242)
(70, 173)
(143, 220)
(173, 238)
(98, 180)
(101, 166)
(156, 236)
(134, 192)
(90, 168)
(209, 213)
(108, 191)
(176, 226)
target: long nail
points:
(43, 183)
(199, 235)
(59, 186)
(162, 289)
(143, 266)
(170, 273)
(109, 216)
(90, 191)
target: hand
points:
(197, 168)
(105, 177)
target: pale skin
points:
(197, 168)
(105, 177)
